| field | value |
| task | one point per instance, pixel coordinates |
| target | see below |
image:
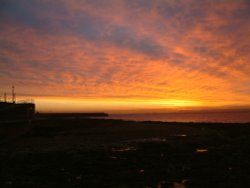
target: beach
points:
(84, 152)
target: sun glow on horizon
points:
(116, 105)
(62, 104)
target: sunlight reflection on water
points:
(123, 149)
(225, 117)
(201, 150)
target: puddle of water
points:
(142, 171)
(161, 184)
(124, 149)
(143, 140)
(179, 185)
(201, 150)
(127, 146)
(78, 177)
(179, 135)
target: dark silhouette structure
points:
(16, 111)
(11, 110)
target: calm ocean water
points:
(225, 117)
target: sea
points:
(197, 116)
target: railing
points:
(26, 101)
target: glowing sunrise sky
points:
(108, 55)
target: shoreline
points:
(145, 122)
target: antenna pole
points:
(13, 94)
(5, 97)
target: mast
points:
(13, 94)
(5, 97)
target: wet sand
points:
(114, 153)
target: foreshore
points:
(84, 152)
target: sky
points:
(126, 55)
